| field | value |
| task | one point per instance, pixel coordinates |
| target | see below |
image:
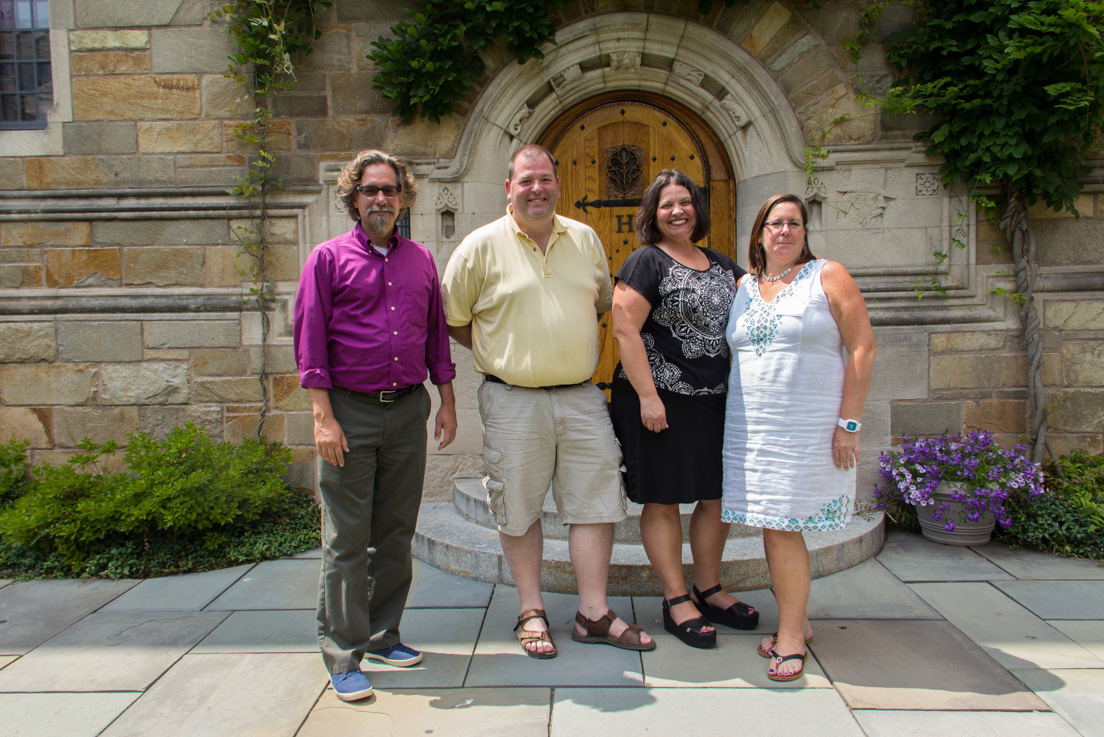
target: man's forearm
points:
(462, 334)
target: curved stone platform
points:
(460, 537)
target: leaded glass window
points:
(26, 87)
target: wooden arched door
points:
(609, 149)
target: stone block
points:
(94, 172)
(1063, 444)
(114, 463)
(901, 366)
(220, 362)
(225, 266)
(225, 98)
(83, 267)
(167, 354)
(14, 276)
(199, 50)
(1085, 314)
(297, 168)
(178, 136)
(288, 395)
(300, 428)
(1001, 416)
(347, 134)
(192, 334)
(45, 234)
(371, 10)
(328, 53)
(27, 423)
(158, 421)
(770, 23)
(145, 383)
(21, 256)
(11, 174)
(968, 372)
(164, 267)
(27, 342)
(227, 390)
(280, 230)
(140, 97)
(353, 95)
(279, 359)
(1084, 362)
(301, 106)
(924, 418)
(99, 341)
(281, 136)
(100, 424)
(1083, 203)
(1064, 241)
(160, 232)
(100, 138)
(833, 24)
(105, 13)
(434, 139)
(109, 62)
(208, 161)
(1079, 411)
(244, 426)
(963, 342)
(226, 177)
(104, 40)
(48, 384)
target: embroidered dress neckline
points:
(706, 270)
(789, 286)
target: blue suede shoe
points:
(351, 686)
(399, 655)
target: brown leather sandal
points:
(526, 637)
(597, 633)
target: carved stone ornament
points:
(736, 110)
(566, 77)
(815, 191)
(446, 200)
(520, 117)
(689, 73)
(927, 185)
(868, 208)
(625, 61)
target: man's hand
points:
(444, 428)
(329, 438)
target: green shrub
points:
(13, 470)
(186, 503)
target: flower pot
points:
(964, 532)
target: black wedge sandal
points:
(739, 616)
(690, 631)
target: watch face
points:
(851, 426)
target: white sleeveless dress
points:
(784, 392)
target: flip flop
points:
(597, 633)
(782, 659)
(767, 653)
(526, 637)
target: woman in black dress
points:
(670, 309)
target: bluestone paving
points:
(701, 712)
(914, 559)
(734, 663)
(971, 723)
(435, 588)
(1031, 564)
(1056, 599)
(499, 660)
(6, 660)
(274, 584)
(4, 582)
(56, 714)
(867, 591)
(1077, 695)
(313, 554)
(1087, 633)
(1012, 635)
(122, 651)
(468, 712)
(913, 664)
(188, 593)
(277, 631)
(446, 638)
(227, 696)
(32, 612)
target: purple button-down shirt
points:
(368, 322)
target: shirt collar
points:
(558, 226)
(362, 238)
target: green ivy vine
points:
(269, 34)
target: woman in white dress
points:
(802, 355)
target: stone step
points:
(446, 540)
(470, 499)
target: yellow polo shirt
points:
(534, 315)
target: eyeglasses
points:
(371, 190)
(777, 224)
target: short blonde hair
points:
(350, 176)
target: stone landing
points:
(460, 537)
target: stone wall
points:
(122, 293)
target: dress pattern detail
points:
(762, 317)
(695, 308)
(832, 516)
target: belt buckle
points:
(384, 400)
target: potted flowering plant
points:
(959, 485)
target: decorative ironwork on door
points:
(624, 171)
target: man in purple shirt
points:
(369, 327)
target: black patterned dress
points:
(684, 336)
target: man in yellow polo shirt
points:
(524, 293)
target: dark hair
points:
(645, 223)
(351, 173)
(529, 151)
(757, 257)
